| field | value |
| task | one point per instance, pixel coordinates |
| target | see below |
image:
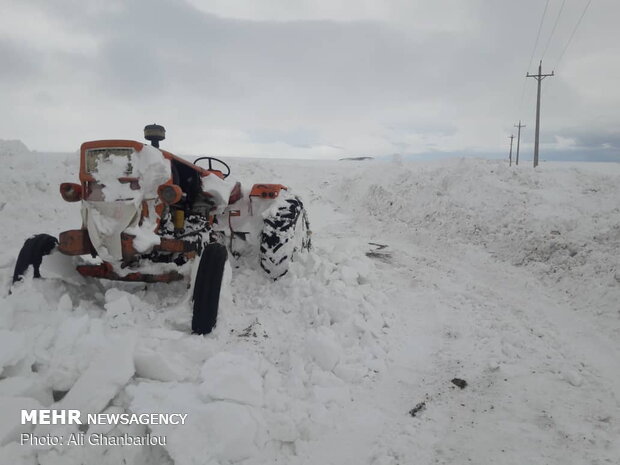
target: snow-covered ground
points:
(507, 278)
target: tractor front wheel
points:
(32, 253)
(207, 287)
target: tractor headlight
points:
(170, 193)
(71, 192)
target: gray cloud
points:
(18, 62)
(593, 139)
(414, 79)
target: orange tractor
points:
(151, 216)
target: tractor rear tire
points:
(32, 253)
(206, 296)
(285, 233)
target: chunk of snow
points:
(282, 427)
(573, 377)
(10, 420)
(105, 222)
(26, 386)
(152, 169)
(349, 275)
(118, 307)
(219, 189)
(65, 304)
(103, 379)
(144, 234)
(338, 395)
(157, 366)
(322, 346)
(217, 432)
(12, 348)
(232, 377)
(68, 348)
(108, 172)
(231, 431)
(15, 453)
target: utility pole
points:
(518, 139)
(512, 136)
(539, 77)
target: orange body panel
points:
(127, 248)
(173, 245)
(235, 194)
(75, 242)
(266, 191)
(165, 245)
(105, 271)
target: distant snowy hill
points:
(422, 272)
(12, 147)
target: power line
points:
(557, 19)
(573, 33)
(542, 20)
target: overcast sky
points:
(311, 78)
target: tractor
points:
(151, 216)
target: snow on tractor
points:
(151, 216)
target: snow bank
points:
(13, 148)
(479, 280)
(545, 219)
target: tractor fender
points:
(267, 191)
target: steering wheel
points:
(211, 160)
